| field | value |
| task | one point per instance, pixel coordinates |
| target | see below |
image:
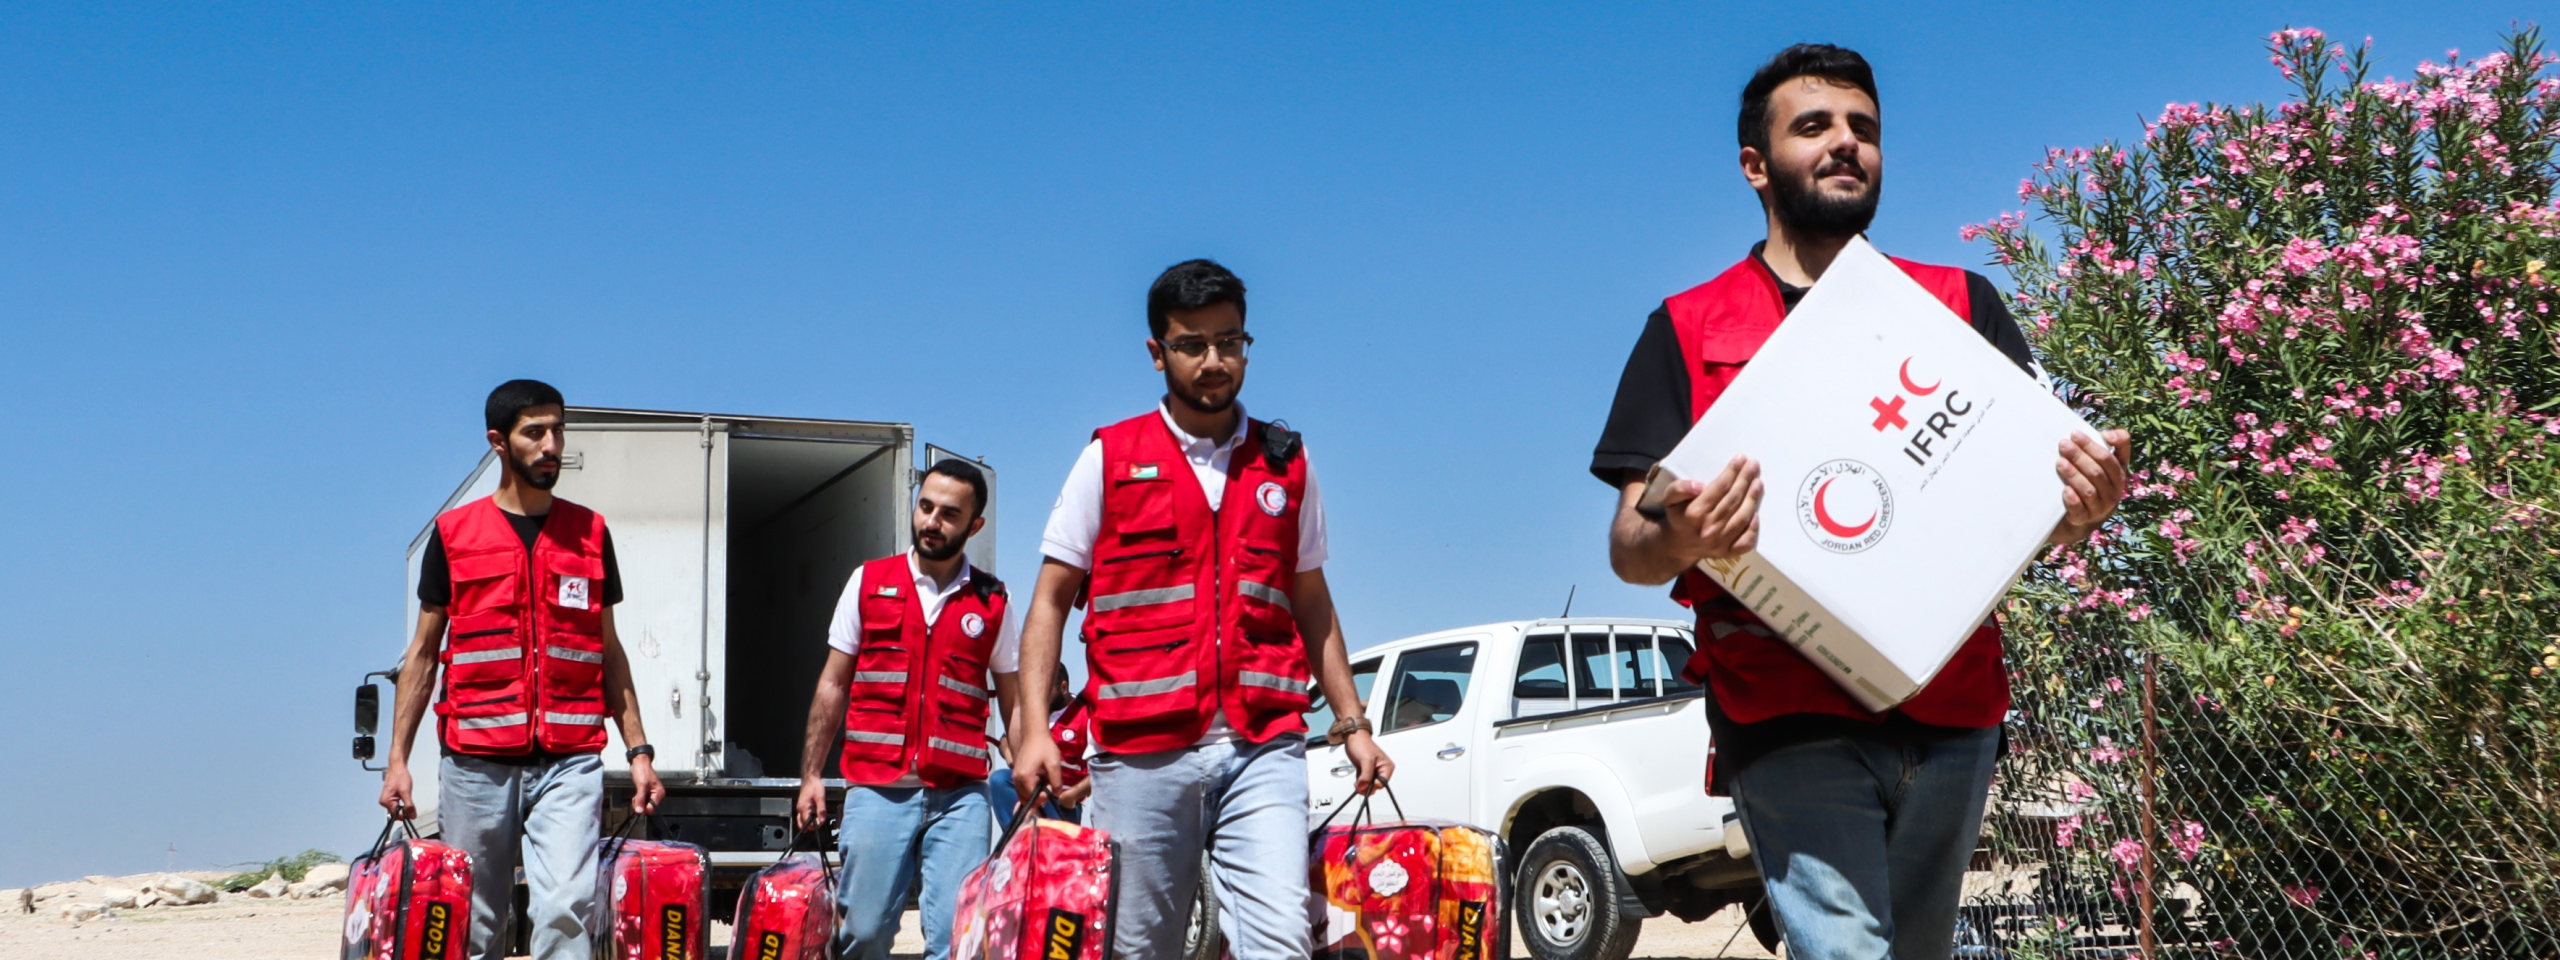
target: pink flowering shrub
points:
(2333, 327)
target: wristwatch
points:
(1343, 728)
(643, 750)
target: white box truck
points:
(734, 536)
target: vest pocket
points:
(1141, 508)
(573, 591)
(1263, 604)
(1273, 676)
(1141, 588)
(1144, 674)
(484, 583)
(875, 732)
(483, 653)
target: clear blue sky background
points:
(258, 267)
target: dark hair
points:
(1838, 64)
(512, 397)
(967, 473)
(1191, 285)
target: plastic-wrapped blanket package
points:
(409, 900)
(786, 911)
(1408, 890)
(1047, 893)
(653, 900)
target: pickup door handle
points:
(1451, 752)
(1342, 771)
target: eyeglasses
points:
(1232, 347)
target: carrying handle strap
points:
(383, 842)
(1364, 816)
(1021, 815)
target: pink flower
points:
(2302, 894)
(2066, 831)
(2189, 841)
(2078, 792)
(2127, 853)
(2106, 751)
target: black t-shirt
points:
(435, 570)
(1649, 418)
(1651, 412)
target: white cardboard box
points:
(1908, 470)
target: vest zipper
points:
(533, 699)
(1175, 552)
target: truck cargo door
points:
(982, 547)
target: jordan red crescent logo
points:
(1822, 515)
(1844, 488)
(1916, 389)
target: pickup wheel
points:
(1569, 899)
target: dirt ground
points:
(308, 930)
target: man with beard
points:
(917, 641)
(1861, 823)
(515, 601)
(1195, 537)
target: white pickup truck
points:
(1575, 740)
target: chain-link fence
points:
(2141, 812)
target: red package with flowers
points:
(409, 900)
(1409, 890)
(1046, 893)
(653, 899)
(786, 911)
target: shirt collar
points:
(915, 571)
(1186, 441)
(1788, 293)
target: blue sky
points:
(258, 267)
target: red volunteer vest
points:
(524, 654)
(1190, 608)
(918, 700)
(1071, 731)
(1756, 676)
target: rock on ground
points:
(320, 881)
(271, 888)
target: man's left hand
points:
(2093, 479)
(1368, 761)
(646, 791)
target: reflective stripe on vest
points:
(866, 736)
(963, 689)
(486, 656)
(1271, 681)
(1139, 598)
(1141, 688)
(1264, 592)
(482, 723)
(581, 656)
(880, 676)
(574, 719)
(957, 747)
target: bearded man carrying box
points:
(1862, 801)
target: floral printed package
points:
(1408, 890)
(408, 900)
(1047, 893)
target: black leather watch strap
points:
(643, 750)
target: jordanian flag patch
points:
(1142, 471)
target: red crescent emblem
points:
(1822, 513)
(1916, 389)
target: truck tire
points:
(1570, 900)
(1201, 938)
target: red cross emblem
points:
(1888, 414)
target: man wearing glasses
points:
(1195, 539)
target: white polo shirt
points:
(1076, 521)
(844, 632)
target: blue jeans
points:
(890, 836)
(1862, 842)
(546, 814)
(1244, 803)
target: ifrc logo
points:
(1929, 422)
(1844, 506)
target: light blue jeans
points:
(890, 837)
(545, 815)
(1244, 803)
(1862, 842)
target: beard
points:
(1200, 402)
(1806, 209)
(526, 471)
(950, 548)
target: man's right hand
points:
(396, 788)
(1718, 519)
(1035, 764)
(812, 806)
